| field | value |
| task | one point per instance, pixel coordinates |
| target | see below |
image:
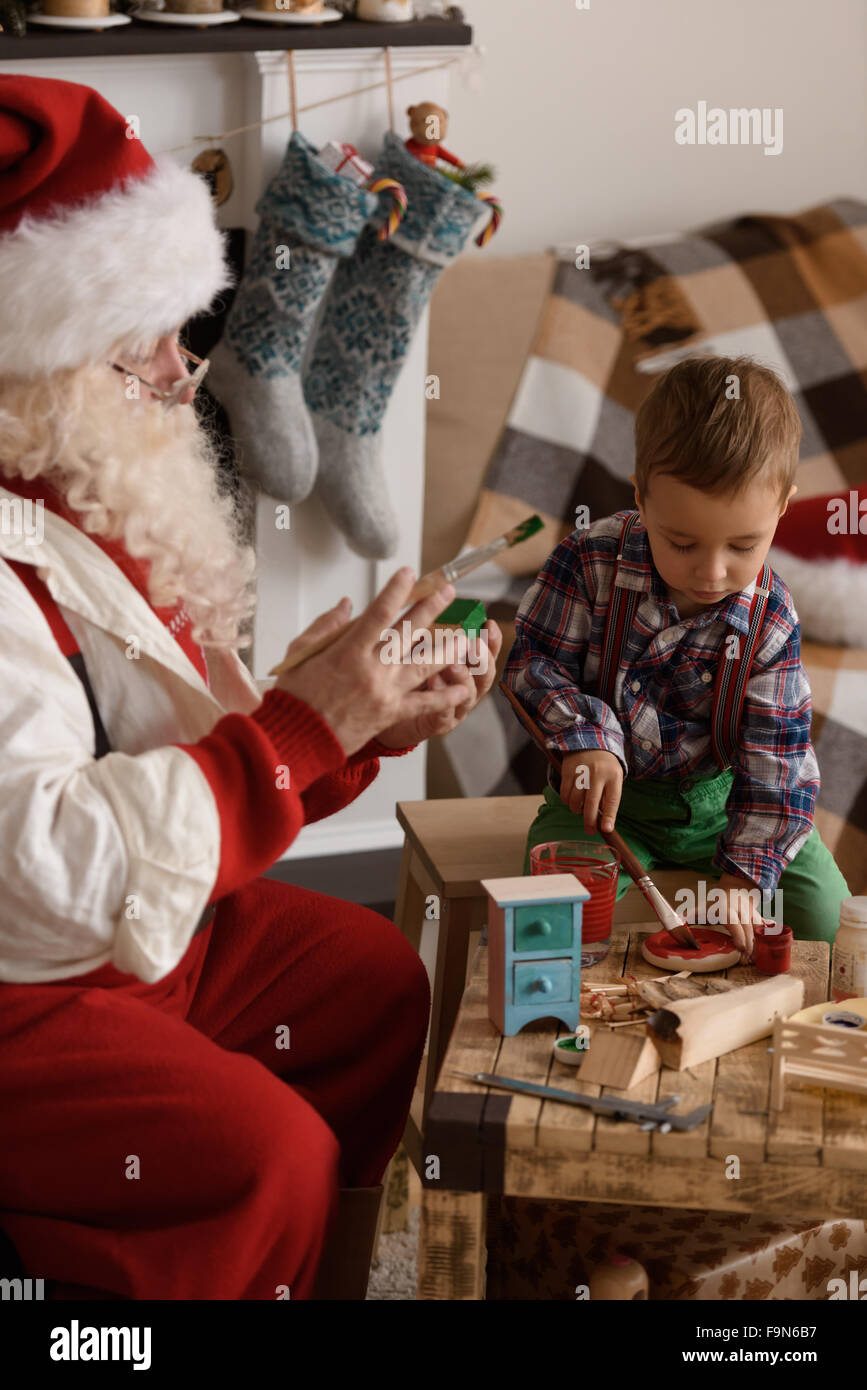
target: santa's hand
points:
(482, 652)
(371, 678)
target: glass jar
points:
(597, 867)
(849, 957)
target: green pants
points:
(669, 822)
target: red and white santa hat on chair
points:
(820, 551)
(99, 243)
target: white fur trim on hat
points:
(127, 266)
(830, 597)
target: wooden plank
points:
(743, 1077)
(473, 1047)
(693, 1087)
(476, 1041)
(567, 1127)
(618, 1136)
(457, 920)
(796, 1131)
(451, 1248)
(845, 1127)
(526, 1057)
(743, 1082)
(739, 1123)
(409, 907)
(793, 1191)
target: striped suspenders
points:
(622, 604)
(733, 672)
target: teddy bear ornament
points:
(429, 124)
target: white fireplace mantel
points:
(307, 568)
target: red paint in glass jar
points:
(597, 867)
(772, 954)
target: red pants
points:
(159, 1143)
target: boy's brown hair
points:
(692, 427)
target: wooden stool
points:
(450, 846)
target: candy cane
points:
(398, 208)
(496, 218)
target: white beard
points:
(141, 473)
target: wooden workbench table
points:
(808, 1160)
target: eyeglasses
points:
(173, 393)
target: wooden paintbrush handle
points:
(631, 863)
(532, 727)
(422, 588)
(304, 653)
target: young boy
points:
(716, 453)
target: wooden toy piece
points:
(465, 613)
(716, 951)
(822, 1053)
(619, 1059)
(534, 949)
(620, 1277)
(694, 1030)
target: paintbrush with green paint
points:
(428, 584)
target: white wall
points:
(576, 108)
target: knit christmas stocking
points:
(256, 367)
(367, 326)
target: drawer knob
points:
(544, 985)
(542, 926)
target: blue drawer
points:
(543, 927)
(543, 981)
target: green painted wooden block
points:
(468, 613)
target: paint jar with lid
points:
(849, 957)
(772, 954)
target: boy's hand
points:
(743, 914)
(596, 791)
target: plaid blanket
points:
(791, 291)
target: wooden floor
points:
(808, 1159)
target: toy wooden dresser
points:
(534, 949)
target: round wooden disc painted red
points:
(662, 946)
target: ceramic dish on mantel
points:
(91, 21)
(200, 20)
(326, 16)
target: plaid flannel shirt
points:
(659, 725)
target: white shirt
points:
(108, 861)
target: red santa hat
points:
(820, 551)
(99, 243)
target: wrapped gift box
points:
(544, 1250)
(345, 160)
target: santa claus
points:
(203, 1072)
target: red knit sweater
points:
(241, 755)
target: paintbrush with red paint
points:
(663, 910)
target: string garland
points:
(293, 114)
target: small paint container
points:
(772, 954)
(570, 1050)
